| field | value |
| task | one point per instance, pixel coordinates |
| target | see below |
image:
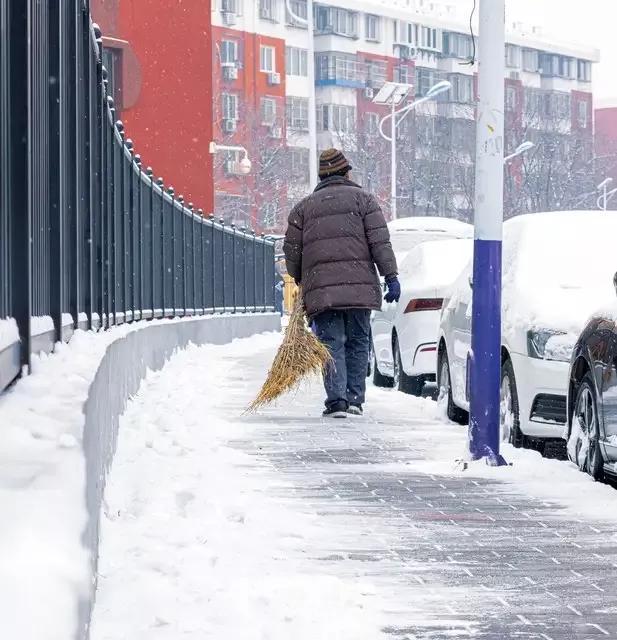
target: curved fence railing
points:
(88, 238)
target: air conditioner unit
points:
(276, 131)
(407, 52)
(369, 93)
(229, 125)
(229, 18)
(274, 79)
(230, 72)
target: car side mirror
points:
(615, 282)
(470, 282)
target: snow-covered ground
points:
(220, 524)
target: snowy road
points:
(283, 525)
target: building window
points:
(230, 106)
(336, 118)
(457, 45)
(372, 28)
(232, 6)
(267, 10)
(530, 60)
(583, 113)
(296, 62)
(372, 124)
(557, 66)
(298, 8)
(266, 59)
(375, 73)
(510, 99)
(401, 74)
(428, 38)
(513, 56)
(339, 21)
(299, 161)
(425, 79)
(557, 106)
(268, 111)
(584, 70)
(462, 89)
(297, 113)
(229, 52)
(112, 61)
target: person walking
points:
(335, 238)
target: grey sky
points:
(591, 22)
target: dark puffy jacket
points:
(335, 238)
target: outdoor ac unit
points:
(369, 93)
(276, 131)
(229, 125)
(229, 18)
(407, 52)
(274, 78)
(230, 72)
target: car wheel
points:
(454, 413)
(412, 385)
(509, 414)
(586, 430)
(379, 380)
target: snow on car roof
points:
(436, 263)
(558, 267)
(430, 223)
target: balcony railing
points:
(346, 72)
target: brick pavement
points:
(455, 555)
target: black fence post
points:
(265, 274)
(15, 154)
(193, 260)
(150, 174)
(233, 254)
(244, 265)
(160, 183)
(174, 306)
(254, 270)
(138, 279)
(202, 270)
(183, 256)
(224, 279)
(213, 265)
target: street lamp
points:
(244, 166)
(522, 148)
(312, 106)
(393, 93)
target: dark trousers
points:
(346, 334)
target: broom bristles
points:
(300, 355)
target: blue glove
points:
(394, 289)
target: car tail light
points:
(424, 304)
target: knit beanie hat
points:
(332, 162)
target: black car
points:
(592, 398)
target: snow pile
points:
(8, 333)
(44, 567)
(195, 541)
(407, 233)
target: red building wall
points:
(166, 85)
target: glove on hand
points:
(394, 289)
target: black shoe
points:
(336, 410)
(355, 410)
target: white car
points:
(557, 269)
(405, 334)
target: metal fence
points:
(88, 239)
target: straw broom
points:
(300, 355)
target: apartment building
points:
(261, 94)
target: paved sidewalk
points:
(456, 555)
